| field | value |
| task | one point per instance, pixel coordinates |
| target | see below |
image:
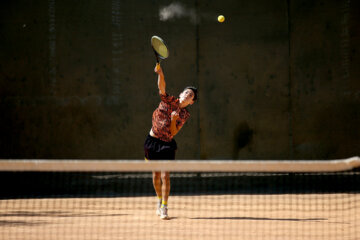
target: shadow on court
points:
(263, 219)
(64, 184)
(20, 223)
(54, 214)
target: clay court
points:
(210, 217)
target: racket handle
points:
(157, 56)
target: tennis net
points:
(104, 199)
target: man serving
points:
(167, 120)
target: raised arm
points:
(161, 79)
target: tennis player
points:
(167, 120)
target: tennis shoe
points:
(158, 211)
(163, 213)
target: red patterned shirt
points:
(161, 118)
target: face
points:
(186, 97)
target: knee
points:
(165, 177)
(156, 175)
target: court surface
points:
(210, 217)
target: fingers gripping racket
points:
(160, 49)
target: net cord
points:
(72, 165)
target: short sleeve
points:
(183, 117)
(167, 98)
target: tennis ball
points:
(221, 18)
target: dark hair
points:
(194, 89)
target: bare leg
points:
(165, 188)
(157, 184)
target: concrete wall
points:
(277, 80)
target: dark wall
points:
(277, 80)
(325, 90)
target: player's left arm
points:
(174, 128)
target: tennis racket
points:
(160, 49)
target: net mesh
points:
(64, 204)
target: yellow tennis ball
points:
(221, 18)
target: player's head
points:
(188, 96)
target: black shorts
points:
(155, 149)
